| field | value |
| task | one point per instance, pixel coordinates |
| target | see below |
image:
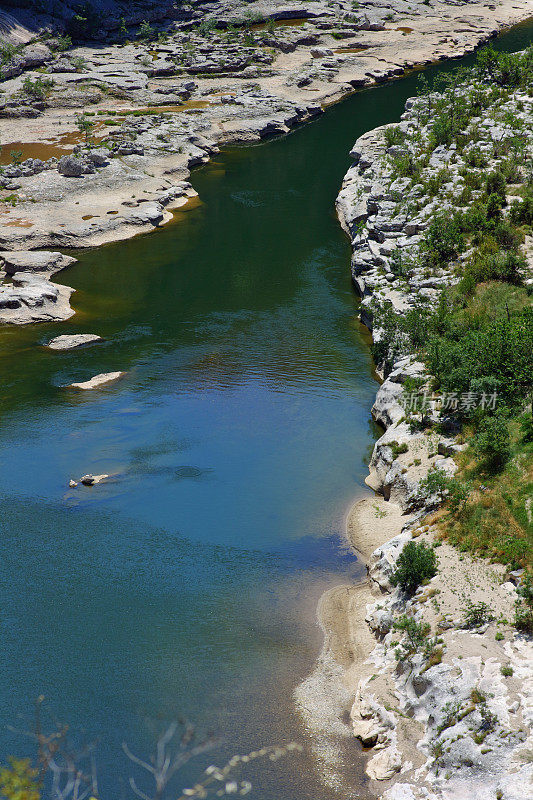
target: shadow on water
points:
(237, 440)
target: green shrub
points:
(526, 428)
(496, 184)
(398, 449)
(476, 158)
(493, 208)
(521, 212)
(524, 606)
(492, 442)
(146, 32)
(7, 51)
(436, 483)
(494, 355)
(506, 671)
(37, 88)
(417, 563)
(416, 635)
(504, 69)
(494, 266)
(405, 166)
(63, 43)
(443, 241)
(476, 614)
(394, 135)
(507, 236)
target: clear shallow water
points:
(188, 584)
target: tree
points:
(85, 126)
(417, 563)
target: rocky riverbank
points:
(452, 716)
(154, 107)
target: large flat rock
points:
(48, 261)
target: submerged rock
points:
(98, 380)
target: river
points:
(188, 583)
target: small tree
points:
(417, 563)
(123, 31)
(37, 89)
(146, 32)
(435, 484)
(85, 126)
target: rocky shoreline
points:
(459, 725)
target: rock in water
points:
(48, 261)
(70, 342)
(32, 298)
(91, 480)
(98, 380)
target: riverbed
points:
(187, 584)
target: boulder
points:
(384, 764)
(72, 167)
(99, 157)
(91, 480)
(321, 52)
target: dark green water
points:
(189, 583)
